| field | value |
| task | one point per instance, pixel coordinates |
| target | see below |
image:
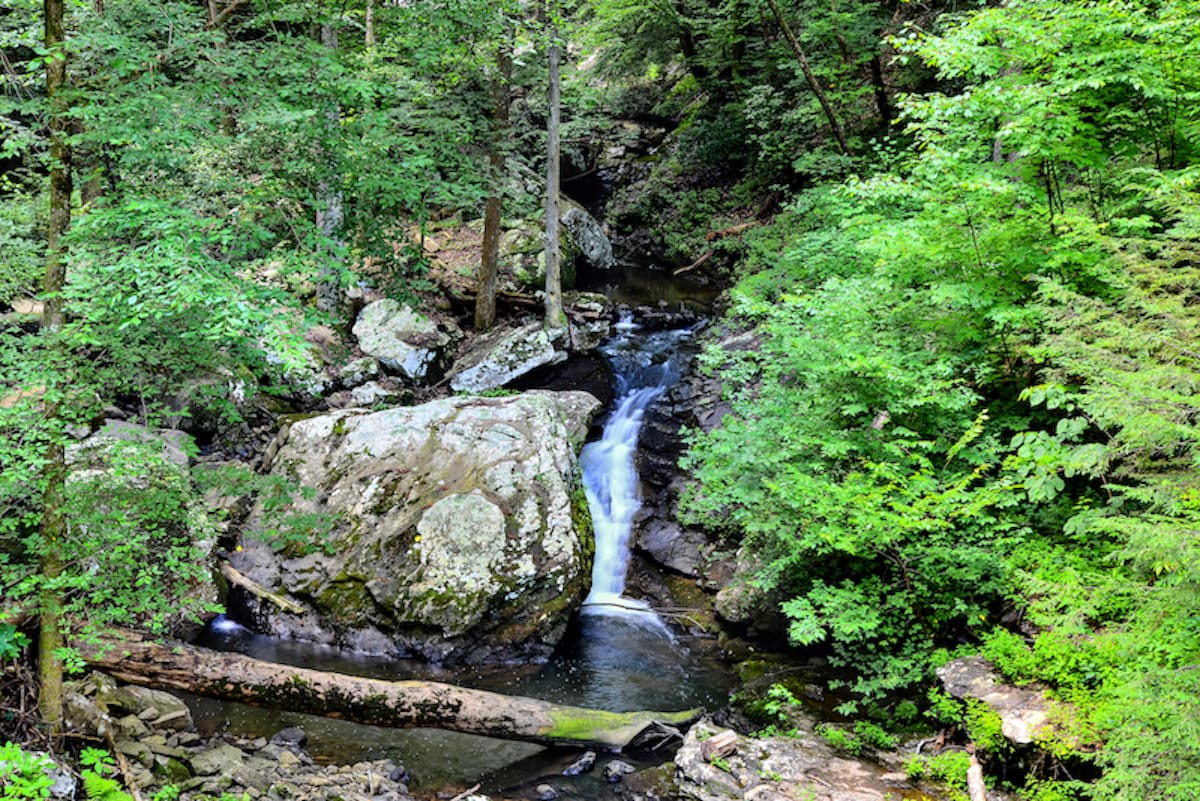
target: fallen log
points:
(708, 255)
(398, 704)
(233, 576)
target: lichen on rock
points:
(455, 536)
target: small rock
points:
(164, 750)
(288, 760)
(136, 751)
(582, 765)
(359, 372)
(291, 737)
(64, 785)
(130, 726)
(615, 769)
(544, 792)
(221, 760)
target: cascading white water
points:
(645, 367)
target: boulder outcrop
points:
(459, 532)
(777, 769)
(503, 356)
(1024, 711)
(404, 341)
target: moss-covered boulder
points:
(453, 537)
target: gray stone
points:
(587, 234)
(503, 356)
(137, 751)
(221, 760)
(616, 769)
(359, 372)
(134, 700)
(674, 547)
(775, 769)
(544, 792)
(83, 714)
(64, 785)
(290, 737)
(447, 512)
(403, 340)
(371, 393)
(1023, 711)
(584, 764)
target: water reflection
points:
(643, 286)
(618, 664)
(605, 663)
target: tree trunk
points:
(53, 523)
(838, 132)
(369, 24)
(886, 115)
(329, 200)
(555, 318)
(489, 265)
(398, 704)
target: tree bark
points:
(556, 319)
(489, 265)
(53, 524)
(369, 24)
(838, 132)
(397, 704)
(886, 114)
(329, 200)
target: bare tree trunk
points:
(369, 24)
(556, 319)
(53, 525)
(838, 132)
(886, 114)
(398, 704)
(489, 265)
(329, 202)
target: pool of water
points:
(605, 662)
(637, 285)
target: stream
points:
(618, 655)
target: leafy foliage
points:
(972, 385)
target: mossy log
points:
(398, 704)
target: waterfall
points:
(644, 368)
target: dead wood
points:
(398, 704)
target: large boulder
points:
(503, 356)
(404, 341)
(523, 248)
(460, 531)
(587, 234)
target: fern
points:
(102, 788)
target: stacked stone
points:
(154, 735)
